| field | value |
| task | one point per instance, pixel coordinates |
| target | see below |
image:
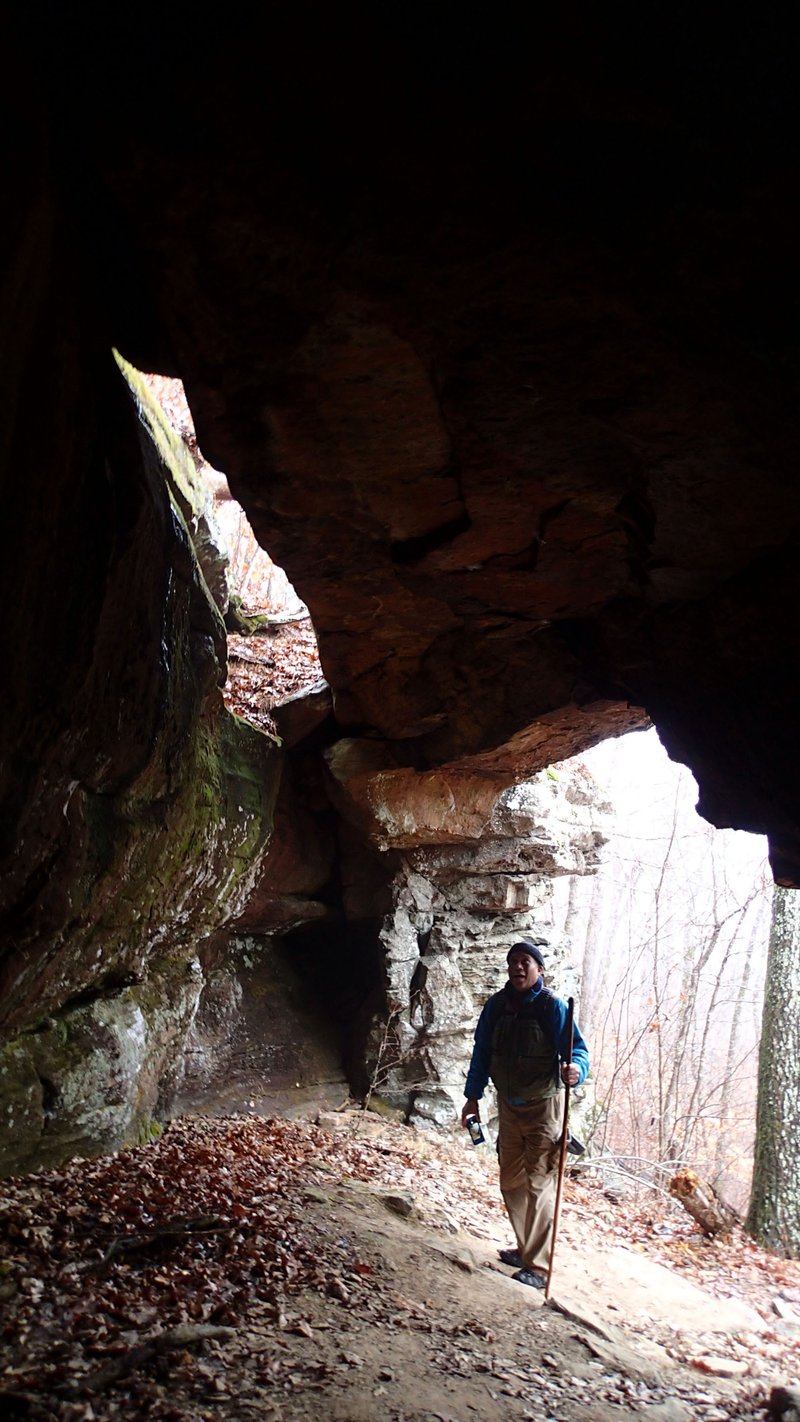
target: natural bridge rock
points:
(494, 345)
(495, 354)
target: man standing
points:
(520, 1040)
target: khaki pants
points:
(528, 1149)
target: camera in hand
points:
(475, 1132)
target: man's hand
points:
(569, 1074)
(471, 1108)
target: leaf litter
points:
(243, 1266)
(268, 667)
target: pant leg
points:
(528, 1151)
(513, 1179)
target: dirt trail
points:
(460, 1338)
(349, 1271)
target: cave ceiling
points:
(493, 340)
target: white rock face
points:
(458, 906)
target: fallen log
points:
(171, 1233)
(43, 1406)
(700, 1201)
(185, 1335)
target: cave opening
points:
(384, 886)
(331, 970)
(293, 997)
(499, 351)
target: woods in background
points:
(673, 933)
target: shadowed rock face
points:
(492, 340)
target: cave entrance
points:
(664, 922)
(340, 965)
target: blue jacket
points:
(553, 1021)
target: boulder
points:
(99, 1075)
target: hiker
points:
(520, 1039)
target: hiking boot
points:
(527, 1276)
(511, 1257)
(574, 1146)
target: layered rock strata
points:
(457, 904)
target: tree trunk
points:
(774, 1216)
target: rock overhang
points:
(491, 351)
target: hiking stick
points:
(562, 1155)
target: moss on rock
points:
(143, 834)
(185, 483)
(21, 1106)
(101, 1074)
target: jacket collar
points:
(519, 999)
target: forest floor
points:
(243, 1268)
(264, 668)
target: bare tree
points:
(731, 1109)
(774, 1215)
(674, 944)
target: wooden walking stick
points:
(562, 1155)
